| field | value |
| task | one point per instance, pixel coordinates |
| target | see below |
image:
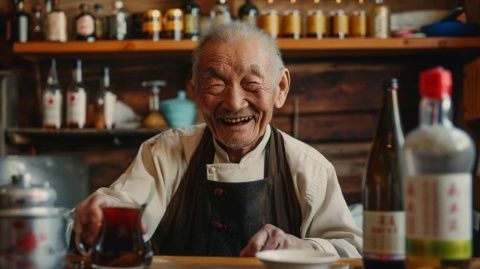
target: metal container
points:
(34, 233)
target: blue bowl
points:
(451, 28)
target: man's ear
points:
(283, 88)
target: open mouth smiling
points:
(236, 120)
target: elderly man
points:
(235, 185)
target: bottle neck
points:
(391, 115)
(154, 102)
(77, 75)
(20, 6)
(436, 112)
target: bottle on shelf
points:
(56, 24)
(37, 32)
(191, 20)
(152, 24)
(380, 20)
(382, 189)
(174, 23)
(20, 25)
(358, 21)
(340, 22)
(269, 20)
(154, 119)
(118, 22)
(104, 106)
(77, 100)
(220, 13)
(85, 24)
(52, 101)
(48, 6)
(439, 159)
(317, 22)
(100, 22)
(292, 22)
(248, 13)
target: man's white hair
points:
(232, 32)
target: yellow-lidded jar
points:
(174, 23)
(269, 22)
(152, 23)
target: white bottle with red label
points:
(77, 100)
(439, 159)
(52, 101)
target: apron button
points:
(219, 226)
(218, 192)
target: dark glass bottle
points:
(85, 24)
(248, 13)
(191, 20)
(118, 22)
(20, 23)
(38, 25)
(100, 21)
(384, 217)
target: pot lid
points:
(23, 192)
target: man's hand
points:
(271, 237)
(88, 218)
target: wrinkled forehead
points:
(243, 54)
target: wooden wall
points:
(333, 104)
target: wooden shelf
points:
(35, 136)
(289, 47)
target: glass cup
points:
(120, 242)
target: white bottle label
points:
(77, 108)
(439, 216)
(56, 27)
(52, 109)
(384, 235)
(109, 109)
(85, 25)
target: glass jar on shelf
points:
(292, 22)
(317, 22)
(152, 24)
(340, 22)
(269, 20)
(358, 21)
(174, 24)
(154, 118)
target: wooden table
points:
(191, 262)
(195, 262)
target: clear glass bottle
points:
(220, 13)
(52, 101)
(317, 22)
(380, 20)
(85, 24)
(100, 23)
(248, 13)
(104, 111)
(154, 118)
(77, 100)
(56, 24)
(439, 160)
(21, 23)
(191, 20)
(383, 217)
(118, 22)
(37, 31)
(269, 20)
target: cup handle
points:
(81, 247)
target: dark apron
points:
(219, 218)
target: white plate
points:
(295, 258)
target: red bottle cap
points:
(435, 82)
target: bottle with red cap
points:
(439, 159)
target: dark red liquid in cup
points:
(120, 242)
